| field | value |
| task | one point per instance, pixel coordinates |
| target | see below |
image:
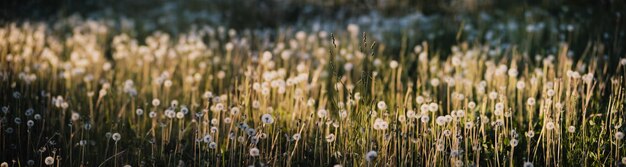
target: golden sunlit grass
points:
(94, 96)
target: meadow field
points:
(381, 83)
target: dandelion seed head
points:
(116, 136)
(49, 160)
(432, 107)
(330, 138)
(371, 155)
(254, 152)
(571, 129)
(322, 113)
(267, 119)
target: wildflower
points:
(425, 118)
(370, 156)
(343, 114)
(116, 137)
(393, 64)
(571, 129)
(75, 116)
(156, 102)
(514, 142)
(30, 123)
(458, 163)
(267, 119)
(530, 134)
(322, 113)
(434, 82)
(170, 113)
(296, 136)
(227, 120)
(460, 113)
(234, 110)
(432, 107)
(212, 145)
(471, 105)
(180, 115)
(520, 85)
(152, 114)
(139, 111)
(4, 164)
(401, 118)
(380, 124)
(498, 112)
(550, 92)
(550, 125)
(251, 131)
(441, 120)
(49, 160)
(330, 137)
(381, 105)
(254, 152)
(419, 99)
(411, 114)
(624, 158)
(493, 95)
(469, 125)
(440, 147)
(531, 101)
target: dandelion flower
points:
(370, 156)
(322, 113)
(207, 138)
(330, 138)
(267, 119)
(425, 119)
(254, 152)
(180, 115)
(530, 134)
(571, 129)
(514, 142)
(49, 160)
(212, 145)
(432, 107)
(469, 125)
(156, 102)
(296, 136)
(441, 120)
(530, 101)
(116, 137)
(393, 64)
(381, 105)
(550, 125)
(234, 110)
(471, 105)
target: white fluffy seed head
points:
(116, 136)
(49, 160)
(370, 156)
(254, 152)
(267, 119)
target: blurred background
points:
(529, 24)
